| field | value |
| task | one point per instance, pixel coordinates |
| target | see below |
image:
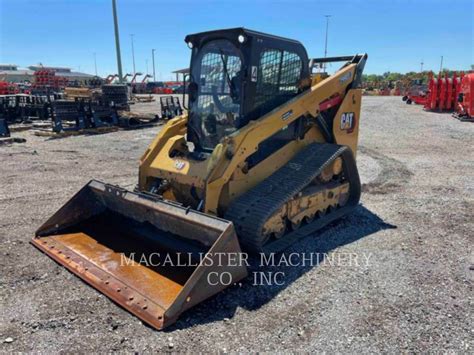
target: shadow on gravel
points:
(393, 177)
(251, 296)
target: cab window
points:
(279, 73)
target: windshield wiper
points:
(226, 73)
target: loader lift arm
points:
(247, 141)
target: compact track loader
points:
(264, 155)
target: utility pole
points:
(153, 59)
(95, 63)
(441, 65)
(326, 42)
(117, 42)
(421, 68)
(133, 54)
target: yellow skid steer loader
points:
(264, 156)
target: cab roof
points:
(233, 33)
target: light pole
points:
(133, 54)
(153, 59)
(95, 63)
(421, 68)
(117, 41)
(326, 42)
(441, 65)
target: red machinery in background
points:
(162, 90)
(415, 92)
(450, 99)
(443, 92)
(47, 78)
(465, 99)
(446, 94)
(457, 89)
(396, 92)
(141, 87)
(384, 91)
(7, 88)
(110, 78)
(419, 99)
(432, 95)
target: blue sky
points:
(396, 34)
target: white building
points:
(12, 73)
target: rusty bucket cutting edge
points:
(107, 236)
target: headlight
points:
(241, 38)
(190, 45)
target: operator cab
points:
(238, 75)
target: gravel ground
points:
(410, 291)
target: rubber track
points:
(251, 210)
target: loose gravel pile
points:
(410, 288)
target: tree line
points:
(394, 76)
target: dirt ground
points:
(411, 291)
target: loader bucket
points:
(154, 258)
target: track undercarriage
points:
(298, 199)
